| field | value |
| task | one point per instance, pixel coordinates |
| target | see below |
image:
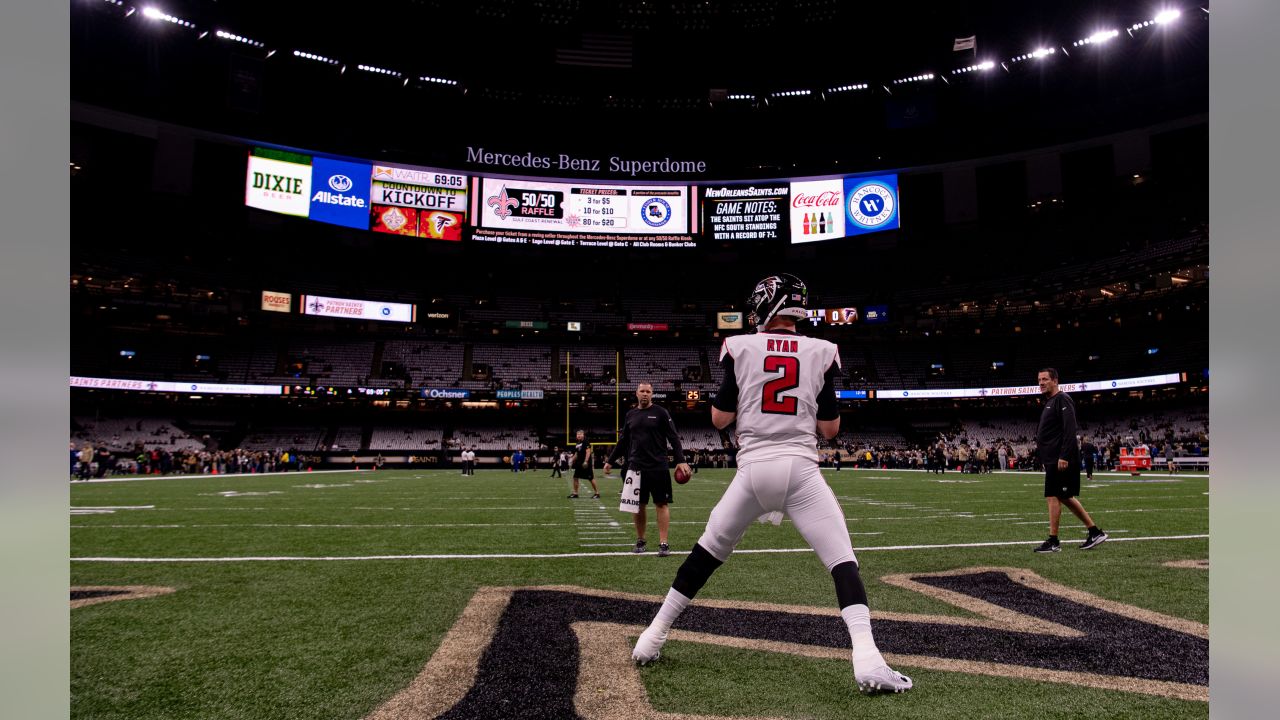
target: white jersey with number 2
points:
(779, 376)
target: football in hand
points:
(682, 476)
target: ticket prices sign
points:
(417, 202)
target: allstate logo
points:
(656, 212)
(871, 205)
(340, 183)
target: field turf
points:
(323, 595)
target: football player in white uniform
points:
(780, 388)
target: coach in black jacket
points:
(1058, 450)
(647, 431)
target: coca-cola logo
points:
(828, 198)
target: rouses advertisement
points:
(418, 202)
(575, 208)
(358, 309)
(278, 181)
(817, 210)
(273, 301)
(341, 192)
(871, 204)
(746, 212)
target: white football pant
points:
(792, 485)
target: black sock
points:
(1054, 538)
(695, 571)
(849, 587)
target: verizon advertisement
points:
(278, 181)
(273, 301)
(358, 309)
(165, 386)
(1093, 386)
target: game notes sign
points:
(746, 212)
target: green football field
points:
(407, 594)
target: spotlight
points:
(156, 14)
(1167, 16)
(1102, 36)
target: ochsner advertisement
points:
(358, 309)
(279, 181)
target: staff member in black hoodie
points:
(647, 431)
(1057, 449)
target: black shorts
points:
(1062, 484)
(584, 474)
(655, 484)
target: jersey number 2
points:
(774, 401)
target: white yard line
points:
(540, 556)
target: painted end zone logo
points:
(564, 652)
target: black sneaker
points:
(640, 546)
(571, 497)
(1049, 546)
(596, 496)
(663, 549)
(1096, 538)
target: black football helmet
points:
(780, 295)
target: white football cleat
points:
(649, 646)
(882, 679)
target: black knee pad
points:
(695, 571)
(849, 588)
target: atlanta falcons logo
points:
(442, 222)
(503, 204)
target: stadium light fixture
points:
(985, 65)
(1097, 38)
(792, 93)
(741, 96)
(1164, 17)
(238, 38)
(915, 78)
(847, 88)
(313, 57)
(378, 70)
(438, 81)
(157, 14)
